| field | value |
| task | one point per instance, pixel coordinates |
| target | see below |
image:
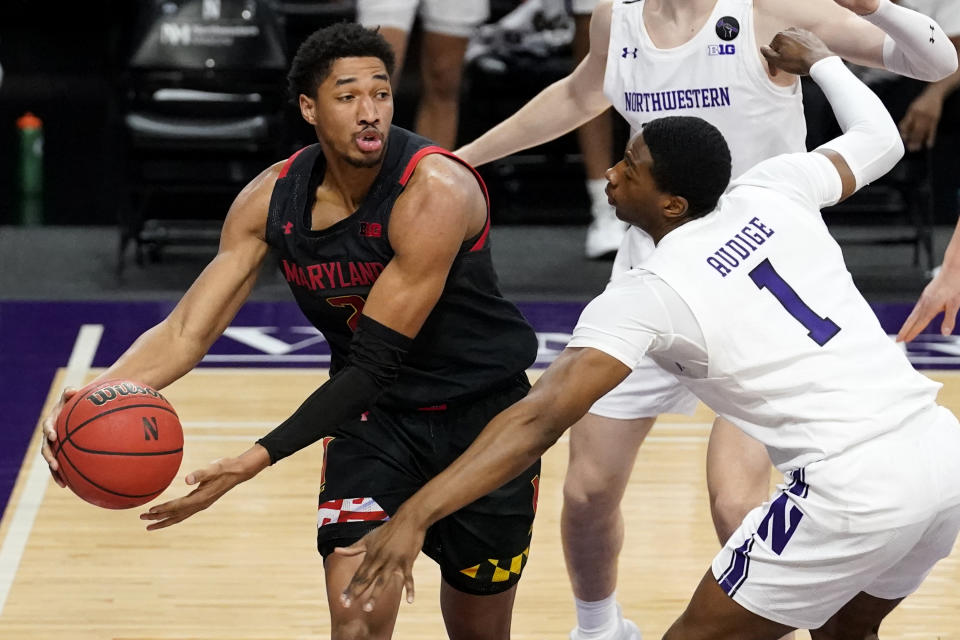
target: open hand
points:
(942, 294)
(212, 481)
(794, 51)
(49, 438)
(390, 551)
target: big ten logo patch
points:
(721, 49)
(371, 229)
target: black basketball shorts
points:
(372, 465)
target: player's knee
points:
(352, 629)
(584, 491)
(728, 511)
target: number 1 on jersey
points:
(820, 330)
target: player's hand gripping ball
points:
(119, 444)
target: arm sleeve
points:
(376, 353)
(870, 143)
(915, 45)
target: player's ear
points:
(675, 207)
(308, 109)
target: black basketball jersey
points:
(474, 340)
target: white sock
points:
(596, 189)
(593, 617)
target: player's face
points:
(352, 110)
(631, 188)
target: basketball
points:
(119, 443)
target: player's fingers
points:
(201, 475)
(353, 550)
(163, 524)
(47, 452)
(408, 586)
(949, 316)
(374, 594)
(58, 478)
(910, 132)
(49, 427)
(162, 510)
(908, 330)
(932, 136)
(771, 57)
(68, 392)
(918, 319)
(364, 580)
(359, 583)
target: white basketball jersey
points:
(717, 75)
(796, 357)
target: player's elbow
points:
(942, 67)
(894, 149)
(937, 71)
(541, 421)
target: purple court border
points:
(37, 337)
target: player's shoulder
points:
(251, 207)
(442, 176)
(779, 168)
(260, 189)
(603, 12)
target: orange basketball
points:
(119, 444)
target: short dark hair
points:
(691, 159)
(315, 57)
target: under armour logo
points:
(288, 228)
(932, 31)
(627, 52)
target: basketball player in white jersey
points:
(651, 58)
(747, 298)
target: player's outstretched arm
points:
(167, 351)
(558, 109)
(941, 295)
(876, 33)
(510, 443)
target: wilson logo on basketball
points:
(104, 395)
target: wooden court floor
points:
(247, 568)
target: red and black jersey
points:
(474, 340)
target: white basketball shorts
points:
(646, 393)
(456, 18)
(801, 556)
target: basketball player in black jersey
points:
(384, 241)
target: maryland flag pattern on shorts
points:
(498, 570)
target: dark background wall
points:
(65, 62)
